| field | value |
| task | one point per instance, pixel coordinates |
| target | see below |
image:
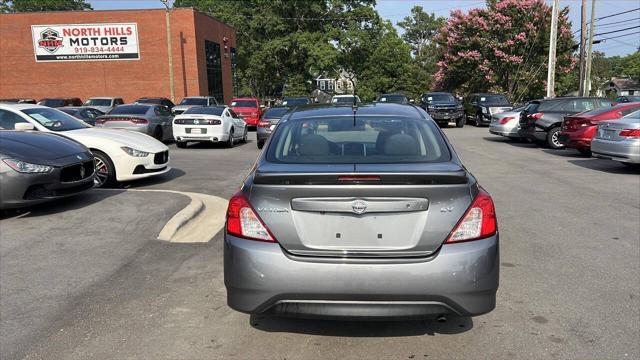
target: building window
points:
(321, 84)
(214, 70)
(234, 73)
(330, 85)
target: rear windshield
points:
(217, 111)
(295, 101)
(344, 100)
(98, 102)
(393, 98)
(149, 101)
(129, 110)
(493, 99)
(244, 103)
(275, 113)
(439, 98)
(370, 140)
(193, 101)
(51, 102)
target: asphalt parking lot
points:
(86, 278)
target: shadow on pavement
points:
(154, 180)
(506, 140)
(211, 145)
(453, 325)
(570, 153)
(608, 166)
(57, 206)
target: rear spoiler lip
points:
(386, 178)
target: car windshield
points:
(435, 98)
(370, 140)
(344, 100)
(628, 99)
(493, 99)
(55, 120)
(295, 101)
(275, 113)
(51, 102)
(217, 111)
(400, 99)
(130, 110)
(98, 102)
(244, 103)
(69, 111)
(194, 101)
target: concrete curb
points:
(182, 217)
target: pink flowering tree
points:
(503, 47)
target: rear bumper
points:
(579, 139)
(510, 130)
(461, 279)
(262, 134)
(212, 133)
(624, 151)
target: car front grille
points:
(77, 172)
(161, 157)
(36, 192)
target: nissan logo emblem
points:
(359, 207)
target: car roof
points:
(197, 97)
(393, 94)
(244, 98)
(438, 93)
(104, 97)
(22, 106)
(376, 109)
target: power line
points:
(618, 22)
(619, 36)
(616, 14)
(615, 31)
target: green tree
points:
(630, 65)
(43, 5)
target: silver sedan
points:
(151, 119)
(618, 140)
(506, 123)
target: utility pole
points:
(551, 71)
(592, 26)
(169, 48)
(583, 31)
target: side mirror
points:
(24, 126)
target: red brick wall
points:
(22, 76)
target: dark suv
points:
(156, 100)
(478, 108)
(443, 107)
(60, 102)
(541, 120)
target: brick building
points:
(116, 53)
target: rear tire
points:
(181, 144)
(105, 171)
(157, 133)
(244, 137)
(553, 140)
(460, 122)
(478, 120)
(260, 144)
(230, 141)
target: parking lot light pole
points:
(551, 71)
(169, 48)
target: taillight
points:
(506, 119)
(358, 178)
(478, 222)
(101, 121)
(632, 133)
(536, 116)
(263, 123)
(244, 222)
(139, 121)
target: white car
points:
(209, 124)
(120, 155)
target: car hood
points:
(94, 136)
(184, 107)
(104, 109)
(41, 148)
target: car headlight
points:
(28, 168)
(134, 152)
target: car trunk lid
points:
(360, 210)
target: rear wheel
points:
(260, 144)
(157, 133)
(460, 122)
(230, 141)
(553, 138)
(105, 171)
(478, 120)
(244, 137)
(181, 144)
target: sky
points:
(396, 10)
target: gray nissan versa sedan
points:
(364, 213)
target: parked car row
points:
(116, 155)
(591, 125)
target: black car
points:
(60, 102)
(36, 167)
(86, 114)
(393, 98)
(628, 98)
(156, 100)
(296, 101)
(541, 120)
(478, 108)
(443, 107)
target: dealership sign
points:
(85, 42)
